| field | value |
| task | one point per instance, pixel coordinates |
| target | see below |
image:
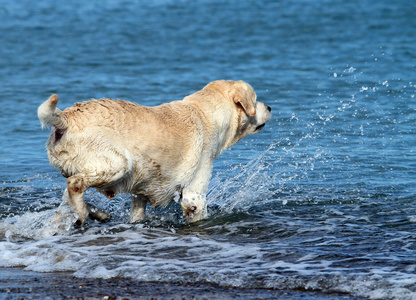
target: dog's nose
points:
(269, 108)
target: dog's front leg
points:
(194, 204)
(138, 208)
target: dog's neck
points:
(223, 117)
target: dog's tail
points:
(48, 114)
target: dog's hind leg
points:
(76, 186)
(138, 208)
(105, 169)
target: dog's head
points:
(251, 116)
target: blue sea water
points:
(323, 199)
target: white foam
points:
(157, 254)
(38, 225)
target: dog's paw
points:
(81, 220)
(194, 210)
(78, 224)
(190, 212)
(95, 213)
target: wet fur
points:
(155, 153)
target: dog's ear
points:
(243, 94)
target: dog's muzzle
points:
(260, 127)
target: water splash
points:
(39, 225)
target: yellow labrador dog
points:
(157, 154)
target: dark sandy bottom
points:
(15, 283)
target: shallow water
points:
(322, 199)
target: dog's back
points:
(125, 145)
(109, 113)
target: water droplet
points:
(351, 69)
